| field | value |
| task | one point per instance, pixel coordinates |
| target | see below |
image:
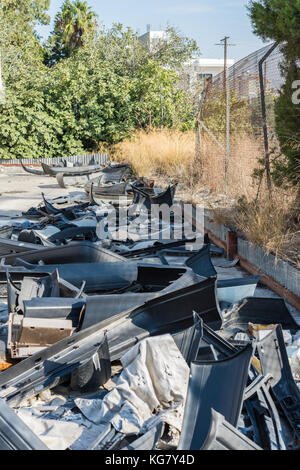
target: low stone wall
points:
(282, 272)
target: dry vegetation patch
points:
(270, 223)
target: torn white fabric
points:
(152, 387)
(55, 434)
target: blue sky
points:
(207, 21)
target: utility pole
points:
(225, 44)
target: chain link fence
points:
(236, 122)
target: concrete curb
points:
(280, 276)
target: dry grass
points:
(244, 154)
(272, 223)
(269, 224)
(172, 154)
(166, 153)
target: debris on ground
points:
(123, 329)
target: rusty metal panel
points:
(27, 335)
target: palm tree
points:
(75, 20)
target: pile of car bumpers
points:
(90, 320)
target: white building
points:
(200, 69)
(152, 39)
(197, 70)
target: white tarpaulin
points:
(151, 387)
(56, 434)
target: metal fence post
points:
(199, 143)
(264, 114)
(227, 131)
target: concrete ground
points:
(19, 191)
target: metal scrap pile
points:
(114, 340)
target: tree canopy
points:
(73, 24)
(279, 20)
(87, 85)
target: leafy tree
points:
(72, 24)
(25, 12)
(101, 93)
(214, 113)
(279, 20)
(122, 45)
(19, 44)
(173, 50)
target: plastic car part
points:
(219, 385)
(47, 286)
(224, 436)
(274, 361)
(31, 171)
(52, 307)
(99, 277)
(88, 233)
(165, 197)
(188, 341)
(206, 353)
(118, 189)
(220, 345)
(80, 180)
(92, 200)
(68, 212)
(75, 252)
(115, 174)
(14, 434)
(138, 197)
(39, 286)
(89, 377)
(235, 290)
(214, 250)
(266, 428)
(168, 314)
(116, 278)
(112, 197)
(71, 171)
(103, 439)
(149, 440)
(35, 237)
(29, 335)
(12, 246)
(109, 439)
(45, 368)
(152, 250)
(199, 262)
(262, 311)
(6, 232)
(150, 282)
(162, 314)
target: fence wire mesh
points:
(240, 90)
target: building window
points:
(203, 76)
